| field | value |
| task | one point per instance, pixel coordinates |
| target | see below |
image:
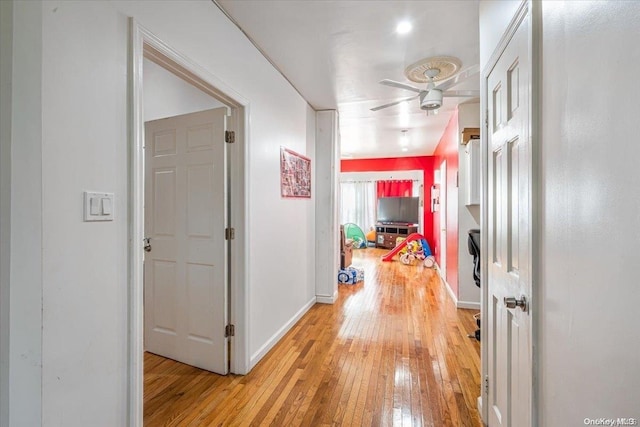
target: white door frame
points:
(144, 44)
(442, 232)
(534, 9)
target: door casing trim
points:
(143, 44)
(533, 10)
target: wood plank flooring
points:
(392, 351)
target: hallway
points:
(391, 351)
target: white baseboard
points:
(446, 285)
(468, 304)
(454, 298)
(258, 355)
(323, 299)
(450, 292)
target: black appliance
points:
(474, 249)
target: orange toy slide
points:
(410, 238)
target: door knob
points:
(147, 244)
(512, 302)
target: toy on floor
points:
(414, 247)
(429, 261)
(355, 233)
(351, 275)
(412, 251)
(371, 236)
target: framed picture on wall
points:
(295, 175)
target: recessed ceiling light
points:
(405, 149)
(404, 138)
(404, 27)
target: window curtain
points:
(395, 188)
(358, 204)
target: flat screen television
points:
(403, 210)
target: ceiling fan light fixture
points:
(431, 73)
(431, 100)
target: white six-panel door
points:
(509, 235)
(185, 292)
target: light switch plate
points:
(99, 201)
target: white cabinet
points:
(472, 157)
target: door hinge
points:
(229, 136)
(229, 233)
(230, 331)
(486, 384)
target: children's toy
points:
(430, 261)
(371, 235)
(350, 275)
(412, 251)
(359, 273)
(355, 233)
(347, 277)
(401, 246)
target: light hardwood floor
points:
(392, 351)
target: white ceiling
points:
(336, 52)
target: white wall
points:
(313, 215)
(6, 41)
(167, 95)
(468, 216)
(327, 239)
(80, 269)
(26, 259)
(587, 289)
(495, 16)
(589, 208)
(84, 93)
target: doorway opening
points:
(147, 47)
(358, 196)
(185, 269)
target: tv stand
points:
(387, 233)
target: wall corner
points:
(22, 272)
(327, 171)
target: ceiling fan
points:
(431, 97)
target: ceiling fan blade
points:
(460, 77)
(391, 104)
(462, 93)
(400, 85)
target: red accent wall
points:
(424, 163)
(447, 149)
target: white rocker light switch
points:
(98, 206)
